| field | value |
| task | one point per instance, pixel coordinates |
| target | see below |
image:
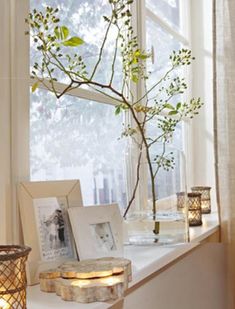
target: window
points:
(172, 18)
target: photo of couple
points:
(55, 225)
(53, 229)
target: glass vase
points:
(169, 223)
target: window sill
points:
(146, 264)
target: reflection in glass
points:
(73, 138)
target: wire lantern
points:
(13, 276)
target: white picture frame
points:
(97, 230)
(45, 223)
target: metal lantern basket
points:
(13, 276)
(205, 198)
(194, 209)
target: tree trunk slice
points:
(47, 280)
(89, 280)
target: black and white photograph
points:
(52, 225)
(103, 236)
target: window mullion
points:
(82, 93)
(138, 13)
(180, 37)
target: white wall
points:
(196, 281)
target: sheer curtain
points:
(224, 106)
(5, 127)
(14, 90)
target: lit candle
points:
(205, 198)
(4, 304)
(190, 215)
(194, 209)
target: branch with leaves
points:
(60, 54)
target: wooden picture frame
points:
(46, 227)
(97, 230)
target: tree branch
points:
(136, 183)
(102, 48)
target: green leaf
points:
(35, 86)
(118, 110)
(61, 32)
(178, 106)
(57, 32)
(73, 42)
(169, 106)
(65, 32)
(173, 113)
(134, 78)
(144, 57)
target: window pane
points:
(175, 141)
(163, 44)
(84, 18)
(168, 10)
(73, 138)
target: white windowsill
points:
(145, 262)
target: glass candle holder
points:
(205, 198)
(194, 209)
(13, 276)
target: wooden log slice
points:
(96, 268)
(92, 290)
(89, 280)
(47, 280)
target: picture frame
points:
(97, 230)
(46, 228)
